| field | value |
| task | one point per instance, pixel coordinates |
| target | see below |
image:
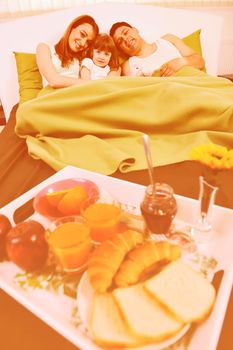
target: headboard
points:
(24, 34)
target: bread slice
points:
(144, 315)
(184, 291)
(107, 325)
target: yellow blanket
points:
(99, 125)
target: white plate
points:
(85, 296)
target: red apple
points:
(5, 226)
(26, 245)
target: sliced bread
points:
(182, 290)
(107, 325)
(144, 315)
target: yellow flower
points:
(213, 156)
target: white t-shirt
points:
(95, 71)
(165, 52)
(71, 71)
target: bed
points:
(172, 164)
(19, 172)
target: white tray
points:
(56, 310)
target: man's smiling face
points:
(127, 40)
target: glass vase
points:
(203, 230)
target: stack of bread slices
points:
(149, 310)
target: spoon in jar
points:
(149, 159)
(159, 236)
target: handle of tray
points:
(10, 208)
(221, 303)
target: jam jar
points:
(158, 208)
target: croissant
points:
(107, 258)
(142, 258)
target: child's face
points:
(101, 58)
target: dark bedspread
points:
(18, 171)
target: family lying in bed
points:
(97, 124)
(83, 54)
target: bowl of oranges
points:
(65, 197)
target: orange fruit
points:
(54, 197)
(72, 201)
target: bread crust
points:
(183, 291)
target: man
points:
(168, 54)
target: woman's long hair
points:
(104, 42)
(62, 48)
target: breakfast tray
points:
(56, 309)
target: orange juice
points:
(71, 243)
(103, 219)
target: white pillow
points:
(24, 34)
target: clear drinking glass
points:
(103, 219)
(202, 230)
(70, 242)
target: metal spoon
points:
(160, 237)
(149, 159)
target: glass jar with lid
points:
(158, 208)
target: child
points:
(104, 60)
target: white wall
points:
(10, 9)
(15, 6)
(226, 53)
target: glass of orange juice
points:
(103, 219)
(70, 241)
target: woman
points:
(59, 64)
